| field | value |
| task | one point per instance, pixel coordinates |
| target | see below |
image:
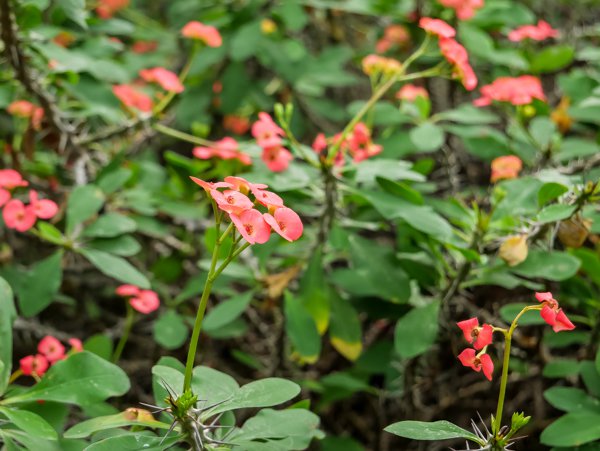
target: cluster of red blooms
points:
(506, 167)
(108, 8)
(27, 110)
(373, 65)
(410, 93)
(50, 350)
(394, 36)
(130, 94)
(465, 9)
(254, 226)
(16, 214)
(454, 52)
(358, 144)
(516, 90)
(144, 301)
(543, 30)
(269, 136)
(481, 336)
(224, 149)
(236, 124)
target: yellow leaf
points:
(351, 351)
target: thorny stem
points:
(125, 335)
(504, 380)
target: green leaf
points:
(227, 311)
(50, 233)
(261, 393)
(110, 225)
(469, 114)
(119, 420)
(134, 442)
(542, 129)
(170, 330)
(550, 191)
(245, 42)
(561, 368)
(551, 59)
(314, 292)
(82, 379)
(417, 330)
(40, 285)
(437, 430)
(123, 246)
(367, 171)
(345, 331)
(115, 267)
(84, 202)
(74, 10)
(29, 422)
(572, 429)
(556, 212)
(569, 399)
(553, 265)
(7, 316)
(597, 361)
(301, 329)
(213, 385)
(572, 148)
(427, 137)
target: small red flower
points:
(133, 98)
(543, 30)
(266, 132)
(231, 201)
(320, 143)
(393, 36)
(11, 179)
(76, 344)
(469, 358)
(18, 216)
(286, 223)
(252, 226)
(410, 93)
(267, 198)
(375, 64)
(236, 124)
(465, 9)
(208, 186)
(506, 167)
(146, 301)
(205, 33)
(437, 27)
(225, 149)
(34, 365)
(144, 46)
(4, 196)
(458, 58)
(479, 337)
(127, 290)
(276, 158)
(44, 208)
(167, 80)
(107, 8)
(243, 185)
(51, 348)
(516, 90)
(21, 108)
(553, 314)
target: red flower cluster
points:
(224, 149)
(27, 110)
(379, 65)
(543, 30)
(480, 338)
(410, 93)
(506, 167)
(269, 136)
(393, 36)
(107, 8)
(133, 98)
(553, 314)
(141, 47)
(167, 80)
(50, 350)
(16, 214)
(465, 9)
(454, 52)
(516, 90)
(144, 301)
(253, 225)
(236, 124)
(358, 144)
(204, 33)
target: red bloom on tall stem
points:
(552, 313)
(34, 365)
(479, 337)
(252, 226)
(51, 348)
(286, 223)
(471, 359)
(201, 32)
(231, 201)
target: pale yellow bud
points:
(514, 249)
(267, 26)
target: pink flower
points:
(18, 216)
(552, 314)
(168, 80)
(252, 226)
(277, 159)
(437, 27)
(43, 209)
(107, 8)
(516, 90)
(76, 344)
(133, 98)
(458, 57)
(11, 179)
(208, 186)
(236, 124)
(359, 143)
(4, 196)
(243, 185)
(146, 301)
(480, 337)
(393, 35)
(51, 348)
(21, 108)
(410, 93)
(127, 290)
(320, 143)
(225, 149)
(267, 198)
(231, 201)
(506, 167)
(286, 223)
(34, 365)
(205, 33)
(470, 359)
(465, 9)
(543, 30)
(266, 132)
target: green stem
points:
(504, 380)
(160, 128)
(125, 335)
